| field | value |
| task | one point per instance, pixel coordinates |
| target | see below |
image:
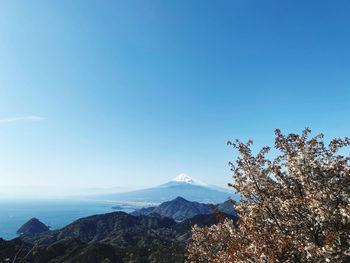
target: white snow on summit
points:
(186, 179)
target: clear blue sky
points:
(132, 93)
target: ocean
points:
(55, 213)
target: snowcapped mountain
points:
(183, 185)
(184, 178)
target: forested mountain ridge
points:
(180, 209)
(112, 237)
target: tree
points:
(294, 208)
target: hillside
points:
(112, 237)
(180, 209)
(182, 230)
(33, 226)
(116, 228)
(124, 230)
(72, 250)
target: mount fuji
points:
(183, 185)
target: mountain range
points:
(180, 209)
(183, 185)
(152, 234)
(114, 237)
(120, 228)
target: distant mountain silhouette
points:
(181, 209)
(183, 185)
(178, 209)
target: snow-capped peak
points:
(186, 179)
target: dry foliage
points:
(295, 208)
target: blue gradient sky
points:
(132, 93)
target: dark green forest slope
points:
(112, 237)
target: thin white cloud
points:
(23, 118)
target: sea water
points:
(55, 213)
